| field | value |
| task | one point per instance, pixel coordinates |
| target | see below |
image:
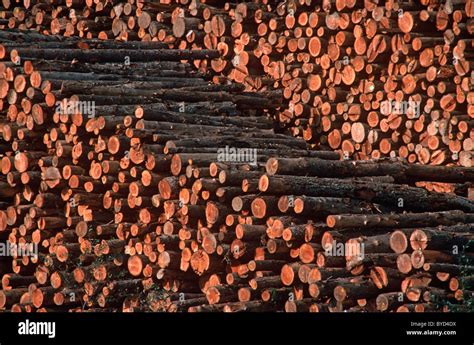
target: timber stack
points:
(369, 79)
(147, 186)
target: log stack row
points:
(369, 79)
(148, 188)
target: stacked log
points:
(81, 144)
(370, 79)
(148, 188)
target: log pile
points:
(148, 188)
(369, 79)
